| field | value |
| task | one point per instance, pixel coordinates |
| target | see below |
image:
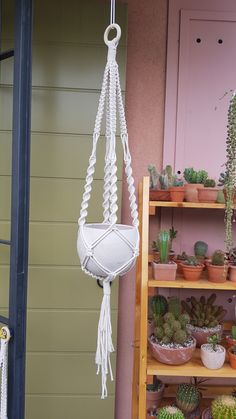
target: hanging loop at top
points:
(114, 41)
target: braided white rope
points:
(4, 371)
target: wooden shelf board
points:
(180, 282)
(171, 204)
(193, 368)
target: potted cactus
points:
(217, 268)
(223, 407)
(156, 245)
(195, 180)
(192, 268)
(232, 356)
(154, 393)
(188, 397)
(171, 344)
(158, 307)
(209, 193)
(179, 260)
(160, 183)
(164, 270)
(205, 318)
(213, 354)
(177, 189)
(200, 250)
(231, 339)
(170, 412)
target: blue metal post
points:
(20, 206)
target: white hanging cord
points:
(113, 12)
(5, 337)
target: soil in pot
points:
(232, 273)
(159, 195)
(207, 194)
(177, 193)
(201, 334)
(172, 353)
(232, 359)
(213, 359)
(164, 271)
(191, 191)
(192, 273)
(216, 273)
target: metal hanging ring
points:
(99, 282)
(115, 40)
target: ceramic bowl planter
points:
(192, 273)
(232, 358)
(207, 194)
(172, 355)
(201, 334)
(217, 274)
(232, 273)
(164, 271)
(177, 193)
(191, 191)
(154, 396)
(150, 328)
(159, 195)
(213, 359)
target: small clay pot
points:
(192, 273)
(216, 273)
(232, 273)
(207, 194)
(177, 193)
(232, 359)
(201, 334)
(191, 191)
(171, 356)
(213, 360)
(230, 341)
(159, 195)
(164, 271)
(179, 265)
(154, 398)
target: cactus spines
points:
(224, 407)
(180, 336)
(218, 258)
(200, 249)
(170, 412)
(188, 397)
(203, 313)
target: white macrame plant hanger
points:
(5, 336)
(108, 249)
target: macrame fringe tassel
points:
(104, 341)
(3, 365)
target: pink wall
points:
(145, 90)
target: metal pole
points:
(20, 206)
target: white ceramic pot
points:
(104, 249)
(212, 360)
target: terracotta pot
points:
(192, 273)
(164, 271)
(154, 398)
(232, 273)
(201, 334)
(230, 341)
(217, 273)
(232, 359)
(156, 256)
(191, 191)
(207, 194)
(171, 356)
(179, 265)
(177, 193)
(159, 195)
(206, 414)
(211, 359)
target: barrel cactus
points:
(200, 248)
(170, 412)
(224, 407)
(188, 397)
(218, 258)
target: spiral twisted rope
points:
(106, 187)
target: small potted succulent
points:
(231, 339)
(232, 356)
(170, 412)
(209, 193)
(188, 397)
(217, 268)
(164, 270)
(205, 318)
(179, 259)
(192, 268)
(195, 180)
(232, 266)
(160, 183)
(171, 344)
(200, 250)
(213, 354)
(177, 189)
(223, 407)
(154, 393)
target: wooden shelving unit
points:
(144, 364)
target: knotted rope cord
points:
(5, 336)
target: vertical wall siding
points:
(63, 304)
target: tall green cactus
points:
(164, 246)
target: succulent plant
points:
(200, 248)
(191, 261)
(159, 305)
(214, 340)
(170, 412)
(156, 385)
(192, 176)
(218, 258)
(209, 183)
(177, 181)
(182, 256)
(188, 397)
(203, 312)
(224, 407)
